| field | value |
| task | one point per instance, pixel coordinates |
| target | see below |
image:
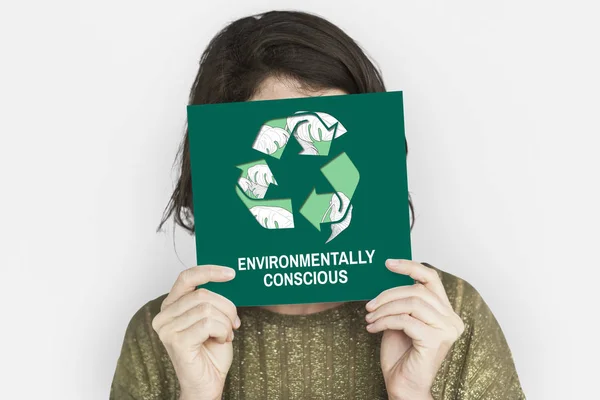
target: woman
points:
(436, 339)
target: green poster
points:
(305, 198)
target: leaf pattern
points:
(258, 179)
(245, 184)
(312, 129)
(337, 213)
(270, 139)
(259, 191)
(307, 147)
(273, 217)
(261, 174)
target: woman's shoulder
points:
(143, 368)
(142, 319)
(462, 295)
(480, 362)
(152, 307)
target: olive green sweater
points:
(327, 355)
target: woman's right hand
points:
(196, 327)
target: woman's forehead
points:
(274, 88)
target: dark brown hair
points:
(294, 45)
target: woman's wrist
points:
(426, 396)
(408, 393)
(187, 395)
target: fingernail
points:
(229, 272)
(369, 317)
(232, 336)
(371, 304)
(369, 327)
(237, 322)
(394, 261)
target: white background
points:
(501, 103)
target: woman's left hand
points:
(419, 327)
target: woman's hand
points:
(196, 328)
(419, 327)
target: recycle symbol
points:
(314, 131)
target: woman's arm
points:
(480, 364)
(179, 346)
(144, 370)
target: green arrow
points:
(343, 177)
(314, 208)
(249, 203)
(342, 174)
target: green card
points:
(305, 198)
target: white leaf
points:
(251, 188)
(261, 175)
(245, 184)
(273, 217)
(329, 120)
(337, 213)
(270, 139)
(259, 191)
(307, 147)
(313, 129)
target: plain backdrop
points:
(501, 103)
